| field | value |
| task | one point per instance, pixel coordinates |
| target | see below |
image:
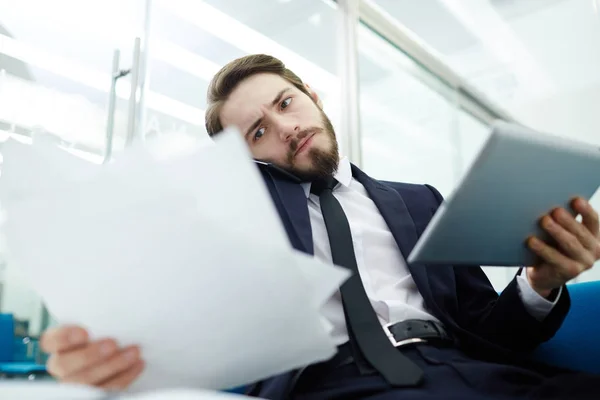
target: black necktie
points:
(361, 319)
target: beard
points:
(324, 163)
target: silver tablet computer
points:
(518, 176)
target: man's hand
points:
(577, 248)
(75, 359)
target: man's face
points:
(283, 125)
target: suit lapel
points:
(292, 205)
(395, 213)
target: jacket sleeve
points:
(501, 319)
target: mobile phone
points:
(279, 170)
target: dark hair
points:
(228, 77)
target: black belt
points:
(401, 334)
(417, 331)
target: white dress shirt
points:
(383, 271)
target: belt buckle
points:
(400, 343)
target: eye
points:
(258, 134)
(286, 103)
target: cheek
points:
(270, 149)
(322, 141)
(308, 113)
(316, 117)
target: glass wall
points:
(189, 41)
(56, 69)
(408, 118)
(505, 49)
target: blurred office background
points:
(411, 86)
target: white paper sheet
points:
(183, 394)
(31, 169)
(40, 390)
(185, 257)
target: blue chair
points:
(11, 363)
(7, 336)
(576, 344)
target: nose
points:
(287, 128)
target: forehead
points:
(243, 105)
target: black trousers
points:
(451, 374)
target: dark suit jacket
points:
(485, 325)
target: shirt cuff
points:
(537, 306)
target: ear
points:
(314, 96)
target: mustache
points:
(304, 133)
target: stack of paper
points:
(183, 255)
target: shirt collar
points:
(343, 175)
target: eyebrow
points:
(256, 123)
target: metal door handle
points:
(135, 74)
(112, 100)
(117, 74)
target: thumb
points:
(63, 338)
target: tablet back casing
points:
(519, 176)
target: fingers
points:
(124, 379)
(74, 359)
(568, 242)
(577, 246)
(565, 267)
(568, 222)
(110, 369)
(589, 216)
(67, 364)
(63, 338)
